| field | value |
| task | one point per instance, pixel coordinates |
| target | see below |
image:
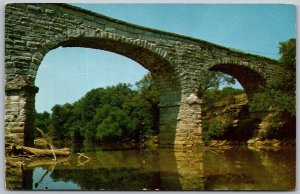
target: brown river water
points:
(237, 168)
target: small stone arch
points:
(251, 79)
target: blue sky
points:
(66, 74)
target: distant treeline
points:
(112, 114)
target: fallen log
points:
(45, 152)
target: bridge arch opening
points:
(162, 72)
(229, 118)
(163, 76)
(221, 90)
(249, 79)
(67, 74)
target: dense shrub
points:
(282, 126)
(215, 129)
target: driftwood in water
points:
(87, 159)
(45, 152)
(82, 155)
(48, 142)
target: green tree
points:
(212, 80)
(61, 121)
(148, 99)
(211, 96)
(114, 113)
(43, 121)
(279, 93)
(288, 61)
(114, 126)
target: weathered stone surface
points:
(193, 99)
(176, 63)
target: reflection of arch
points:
(250, 79)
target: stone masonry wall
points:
(176, 63)
(19, 106)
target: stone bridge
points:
(175, 62)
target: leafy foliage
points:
(111, 114)
(273, 100)
(115, 123)
(288, 62)
(211, 96)
(282, 126)
(42, 120)
(216, 129)
(213, 80)
(279, 93)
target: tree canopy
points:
(213, 80)
(112, 114)
(280, 93)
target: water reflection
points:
(242, 169)
(233, 169)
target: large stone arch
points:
(151, 57)
(21, 89)
(163, 74)
(155, 60)
(147, 55)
